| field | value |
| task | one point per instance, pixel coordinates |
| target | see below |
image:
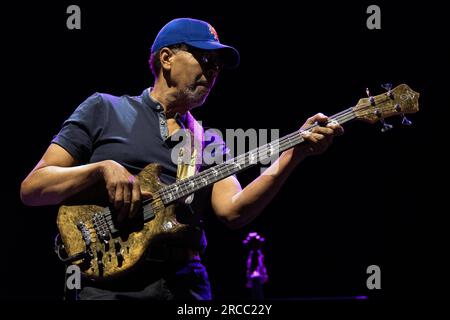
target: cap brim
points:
(229, 54)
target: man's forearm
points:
(249, 202)
(52, 184)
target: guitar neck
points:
(192, 184)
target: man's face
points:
(193, 73)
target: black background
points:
(372, 198)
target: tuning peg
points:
(388, 87)
(386, 126)
(405, 120)
(371, 99)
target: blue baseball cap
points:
(195, 33)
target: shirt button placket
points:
(163, 126)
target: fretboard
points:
(240, 163)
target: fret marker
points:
(271, 150)
(252, 158)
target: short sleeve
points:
(80, 131)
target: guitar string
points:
(286, 141)
(280, 143)
(223, 167)
(224, 170)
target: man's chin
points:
(197, 97)
(198, 100)
(196, 104)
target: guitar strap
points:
(191, 151)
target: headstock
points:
(398, 101)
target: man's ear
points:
(165, 57)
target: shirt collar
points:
(156, 106)
(148, 100)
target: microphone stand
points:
(256, 270)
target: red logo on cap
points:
(213, 32)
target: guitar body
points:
(109, 252)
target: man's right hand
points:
(124, 189)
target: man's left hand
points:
(318, 139)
